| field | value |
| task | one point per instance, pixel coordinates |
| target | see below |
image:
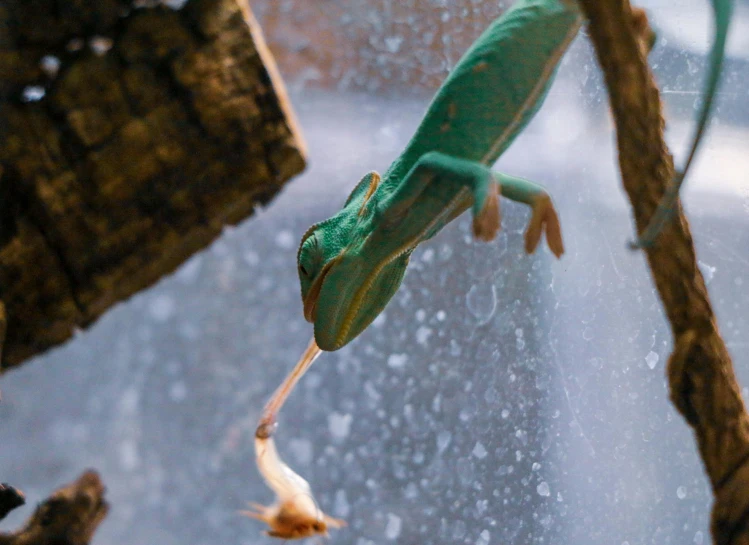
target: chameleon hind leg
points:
(432, 193)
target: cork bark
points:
(158, 128)
(702, 381)
(70, 516)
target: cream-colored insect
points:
(295, 513)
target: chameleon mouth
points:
(310, 303)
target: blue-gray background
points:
(501, 398)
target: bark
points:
(70, 516)
(159, 128)
(701, 378)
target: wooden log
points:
(158, 128)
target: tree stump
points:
(129, 137)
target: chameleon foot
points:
(544, 218)
(486, 222)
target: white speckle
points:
(411, 492)
(479, 451)
(129, 458)
(393, 526)
(698, 538)
(397, 361)
(380, 320)
(428, 255)
(301, 449)
(443, 439)
(162, 308)
(393, 43)
(340, 504)
(423, 334)
(285, 239)
(441, 315)
(681, 492)
(707, 271)
(339, 425)
(129, 401)
(481, 300)
(505, 413)
(371, 391)
(178, 391)
(536, 466)
(651, 359)
(421, 314)
(543, 489)
(483, 538)
(33, 93)
(188, 273)
(50, 65)
(100, 45)
(251, 258)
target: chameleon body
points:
(352, 264)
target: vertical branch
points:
(701, 378)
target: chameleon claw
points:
(486, 222)
(544, 218)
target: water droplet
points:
(707, 271)
(339, 425)
(443, 439)
(285, 239)
(341, 505)
(393, 43)
(543, 489)
(652, 359)
(423, 334)
(681, 492)
(393, 526)
(481, 300)
(397, 361)
(483, 538)
(479, 451)
(162, 308)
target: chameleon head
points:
(346, 274)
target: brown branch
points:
(701, 378)
(135, 158)
(70, 516)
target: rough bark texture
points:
(701, 378)
(135, 158)
(70, 516)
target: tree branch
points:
(70, 516)
(136, 157)
(702, 382)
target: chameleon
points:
(351, 264)
(722, 14)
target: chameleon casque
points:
(351, 264)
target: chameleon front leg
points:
(439, 187)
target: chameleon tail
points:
(723, 10)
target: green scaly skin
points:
(352, 264)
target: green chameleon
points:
(352, 264)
